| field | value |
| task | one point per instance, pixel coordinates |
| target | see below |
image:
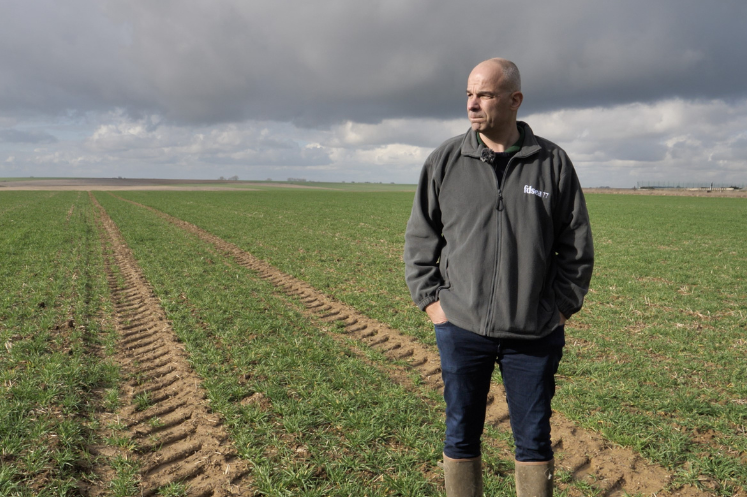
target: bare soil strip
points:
(615, 470)
(143, 184)
(178, 438)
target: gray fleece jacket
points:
(503, 255)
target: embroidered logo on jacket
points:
(533, 191)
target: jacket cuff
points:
(422, 304)
(566, 307)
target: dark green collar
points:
(513, 148)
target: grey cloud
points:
(262, 157)
(364, 90)
(245, 144)
(18, 136)
(318, 63)
(734, 151)
(417, 132)
(64, 56)
(648, 149)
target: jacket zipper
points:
(491, 304)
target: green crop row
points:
(654, 361)
(51, 302)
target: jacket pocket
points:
(447, 281)
(444, 269)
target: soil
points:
(164, 411)
(614, 470)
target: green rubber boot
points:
(534, 479)
(463, 477)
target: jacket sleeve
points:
(424, 241)
(574, 248)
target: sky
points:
(333, 90)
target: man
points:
(498, 252)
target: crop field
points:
(264, 343)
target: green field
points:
(310, 185)
(654, 362)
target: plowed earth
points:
(614, 470)
(177, 438)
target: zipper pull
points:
(500, 200)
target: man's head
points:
(494, 96)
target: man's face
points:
(489, 106)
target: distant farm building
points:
(658, 185)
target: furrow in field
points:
(177, 437)
(614, 470)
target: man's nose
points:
(473, 103)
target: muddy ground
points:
(164, 412)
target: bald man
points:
(498, 253)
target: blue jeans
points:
(528, 369)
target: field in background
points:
(654, 361)
(149, 184)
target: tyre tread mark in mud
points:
(164, 410)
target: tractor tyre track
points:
(178, 439)
(614, 470)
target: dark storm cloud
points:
(58, 57)
(316, 63)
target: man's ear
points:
(516, 99)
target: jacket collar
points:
(471, 146)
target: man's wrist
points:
(436, 313)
